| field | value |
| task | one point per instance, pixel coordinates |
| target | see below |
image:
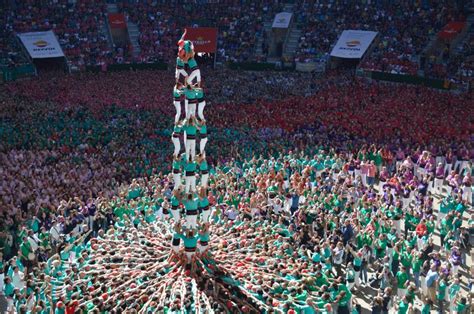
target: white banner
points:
(282, 20)
(353, 44)
(41, 44)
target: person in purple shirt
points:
(439, 178)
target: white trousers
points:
(357, 278)
(204, 179)
(177, 180)
(175, 248)
(401, 292)
(180, 72)
(196, 74)
(440, 217)
(189, 256)
(201, 106)
(190, 184)
(176, 213)
(438, 183)
(205, 215)
(2, 277)
(190, 109)
(397, 225)
(177, 105)
(190, 148)
(405, 202)
(177, 145)
(202, 248)
(467, 194)
(191, 221)
(202, 145)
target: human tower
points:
(189, 202)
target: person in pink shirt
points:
(449, 161)
(364, 171)
(407, 163)
(383, 178)
(371, 173)
(399, 156)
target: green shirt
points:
(189, 242)
(190, 167)
(402, 307)
(402, 278)
(190, 93)
(441, 290)
(426, 309)
(190, 130)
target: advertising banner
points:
(353, 44)
(282, 20)
(41, 44)
(204, 38)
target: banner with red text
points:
(117, 20)
(204, 38)
(451, 30)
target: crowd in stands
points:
(78, 26)
(339, 195)
(161, 24)
(404, 29)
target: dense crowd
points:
(301, 232)
(404, 29)
(81, 30)
(286, 158)
(239, 24)
(78, 26)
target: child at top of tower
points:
(186, 56)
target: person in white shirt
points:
(337, 257)
(55, 232)
(231, 213)
(18, 278)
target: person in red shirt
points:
(421, 229)
(371, 172)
